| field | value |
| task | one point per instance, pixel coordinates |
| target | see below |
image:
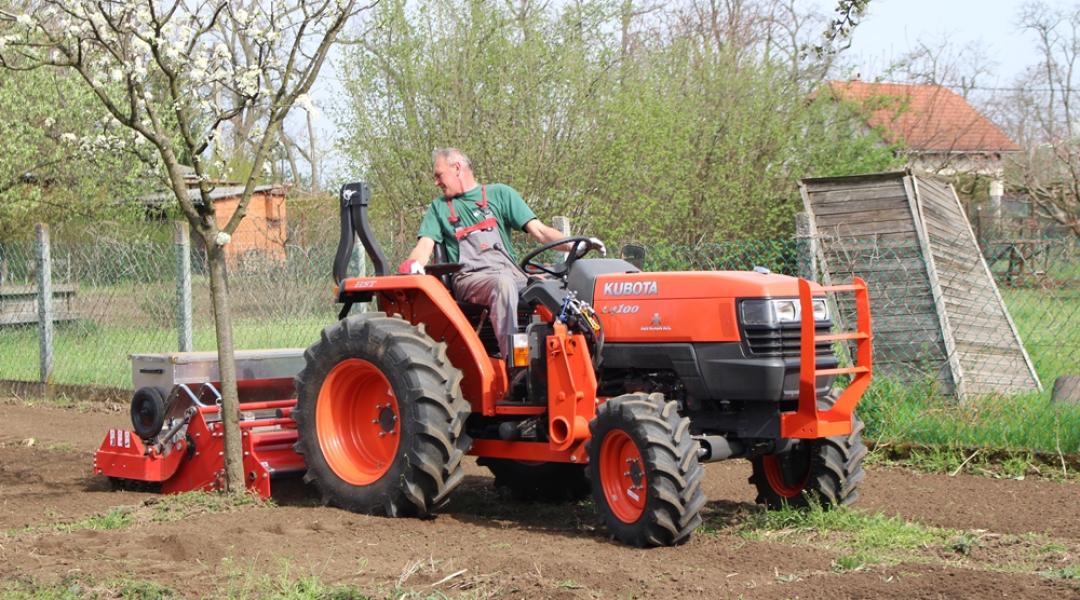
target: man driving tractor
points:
(473, 222)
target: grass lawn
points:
(86, 354)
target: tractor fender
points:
(423, 299)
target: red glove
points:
(411, 266)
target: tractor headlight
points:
(821, 310)
(757, 312)
(786, 311)
(780, 311)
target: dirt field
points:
(1016, 538)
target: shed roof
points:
(218, 193)
(926, 118)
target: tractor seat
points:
(583, 274)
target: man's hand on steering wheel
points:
(578, 247)
(596, 243)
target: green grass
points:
(1071, 572)
(862, 539)
(1048, 322)
(176, 507)
(158, 509)
(868, 531)
(895, 413)
(87, 354)
(117, 518)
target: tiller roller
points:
(176, 443)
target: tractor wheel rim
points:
(622, 476)
(358, 422)
(786, 481)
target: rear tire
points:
(644, 470)
(380, 417)
(827, 471)
(539, 482)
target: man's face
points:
(448, 177)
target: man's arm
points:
(421, 252)
(544, 234)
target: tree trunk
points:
(230, 401)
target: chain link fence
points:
(116, 293)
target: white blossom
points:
(248, 82)
(25, 20)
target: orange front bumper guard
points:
(808, 421)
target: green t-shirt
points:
(503, 201)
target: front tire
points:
(644, 470)
(827, 471)
(380, 417)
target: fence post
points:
(182, 238)
(45, 303)
(804, 247)
(562, 224)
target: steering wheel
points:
(579, 247)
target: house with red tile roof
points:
(938, 129)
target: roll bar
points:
(355, 198)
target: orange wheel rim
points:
(358, 421)
(622, 476)
(785, 484)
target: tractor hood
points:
(682, 306)
(695, 284)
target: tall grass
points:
(902, 413)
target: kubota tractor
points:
(620, 383)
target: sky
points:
(890, 28)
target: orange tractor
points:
(620, 384)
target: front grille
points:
(763, 340)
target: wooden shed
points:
(936, 308)
(260, 237)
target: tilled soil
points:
(485, 545)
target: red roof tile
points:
(926, 118)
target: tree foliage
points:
(61, 158)
(682, 122)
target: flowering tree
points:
(175, 75)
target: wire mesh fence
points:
(943, 316)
